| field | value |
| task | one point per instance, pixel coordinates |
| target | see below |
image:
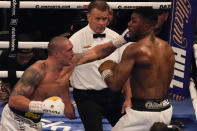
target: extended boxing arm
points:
(101, 51)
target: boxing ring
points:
(183, 111)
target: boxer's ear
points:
(146, 26)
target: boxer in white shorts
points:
(11, 121)
(32, 95)
(141, 118)
(149, 63)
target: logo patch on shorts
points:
(32, 115)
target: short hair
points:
(55, 44)
(98, 4)
(148, 14)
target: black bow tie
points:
(98, 35)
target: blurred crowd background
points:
(43, 24)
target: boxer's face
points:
(67, 53)
(98, 20)
(135, 27)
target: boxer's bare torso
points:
(53, 83)
(153, 68)
(45, 82)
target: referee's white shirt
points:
(86, 76)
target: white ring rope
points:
(4, 74)
(82, 5)
(25, 45)
(4, 44)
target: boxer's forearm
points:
(96, 53)
(100, 51)
(104, 50)
(19, 102)
(66, 95)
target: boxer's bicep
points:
(127, 62)
(122, 72)
(28, 82)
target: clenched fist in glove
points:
(106, 68)
(121, 40)
(52, 105)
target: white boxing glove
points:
(52, 105)
(121, 40)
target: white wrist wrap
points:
(35, 106)
(118, 41)
(106, 73)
